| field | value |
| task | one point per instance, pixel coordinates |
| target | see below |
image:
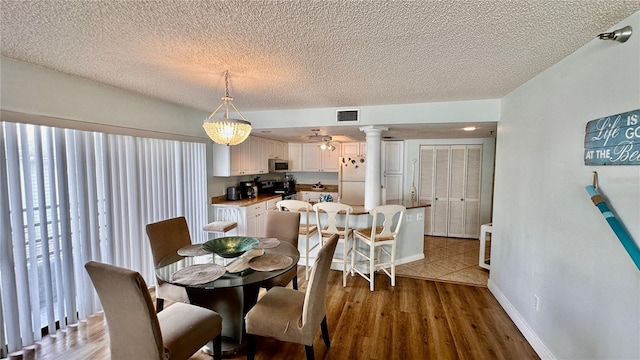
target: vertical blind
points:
(70, 196)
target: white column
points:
(372, 179)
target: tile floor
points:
(449, 260)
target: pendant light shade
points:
(227, 131)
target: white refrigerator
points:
(351, 180)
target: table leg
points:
(232, 304)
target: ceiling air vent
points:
(347, 116)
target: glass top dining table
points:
(174, 262)
(231, 295)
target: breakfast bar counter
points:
(222, 200)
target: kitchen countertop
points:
(309, 187)
(357, 209)
(222, 200)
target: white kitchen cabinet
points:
(450, 179)
(251, 219)
(231, 160)
(277, 149)
(354, 149)
(256, 219)
(331, 159)
(316, 160)
(314, 196)
(247, 158)
(311, 157)
(392, 169)
(272, 204)
(295, 157)
(259, 162)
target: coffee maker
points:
(248, 189)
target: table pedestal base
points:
(230, 346)
(232, 304)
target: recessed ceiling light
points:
(469, 128)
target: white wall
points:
(548, 237)
(35, 90)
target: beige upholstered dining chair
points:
(284, 227)
(166, 237)
(337, 222)
(307, 229)
(291, 315)
(381, 236)
(137, 332)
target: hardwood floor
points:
(416, 319)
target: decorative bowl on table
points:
(230, 246)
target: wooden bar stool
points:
(226, 220)
(220, 228)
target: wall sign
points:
(613, 140)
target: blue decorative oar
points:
(618, 229)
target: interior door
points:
(440, 205)
(472, 191)
(425, 184)
(457, 190)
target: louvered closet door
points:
(427, 169)
(457, 191)
(472, 191)
(441, 191)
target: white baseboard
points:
(538, 346)
(409, 259)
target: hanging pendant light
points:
(227, 131)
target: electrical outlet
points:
(536, 302)
(409, 218)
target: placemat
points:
(270, 262)
(192, 250)
(198, 274)
(269, 243)
(242, 262)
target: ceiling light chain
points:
(227, 131)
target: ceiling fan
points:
(325, 142)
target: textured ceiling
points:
(305, 54)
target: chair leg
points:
(217, 347)
(344, 262)
(393, 264)
(159, 304)
(306, 251)
(251, 346)
(325, 332)
(308, 350)
(295, 282)
(353, 255)
(393, 271)
(372, 267)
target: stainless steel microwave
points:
(277, 165)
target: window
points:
(70, 196)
